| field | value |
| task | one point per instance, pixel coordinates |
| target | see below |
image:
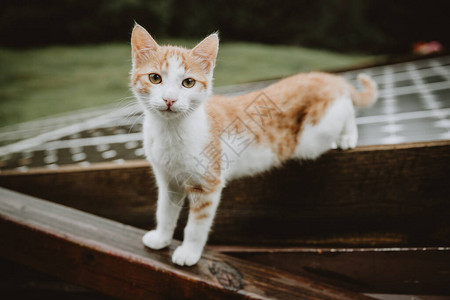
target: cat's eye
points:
(188, 82)
(155, 78)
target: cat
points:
(196, 142)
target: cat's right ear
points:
(142, 44)
(206, 50)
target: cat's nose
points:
(169, 102)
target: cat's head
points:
(171, 82)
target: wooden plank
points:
(26, 283)
(108, 256)
(414, 271)
(386, 195)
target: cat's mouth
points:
(165, 109)
(168, 112)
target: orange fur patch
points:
(195, 189)
(202, 216)
(279, 111)
(198, 207)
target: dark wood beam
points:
(386, 195)
(108, 256)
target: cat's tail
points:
(368, 96)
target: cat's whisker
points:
(134, 123)
(128, 105)
(128, 118)
(129, 100)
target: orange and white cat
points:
(196, 142)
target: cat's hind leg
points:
(316, 139)
(349, 135)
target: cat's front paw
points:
(155, 240)
(186, 256)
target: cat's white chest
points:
(175, 152)
(165, 154)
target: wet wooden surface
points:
(109, 257)
(385, 273)
(387, 195)
(410, 271)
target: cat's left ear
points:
(207, 50)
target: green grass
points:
(243, 62)
(40, 82)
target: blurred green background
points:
(63, 55)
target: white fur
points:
(253, 160)
(174, 141)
